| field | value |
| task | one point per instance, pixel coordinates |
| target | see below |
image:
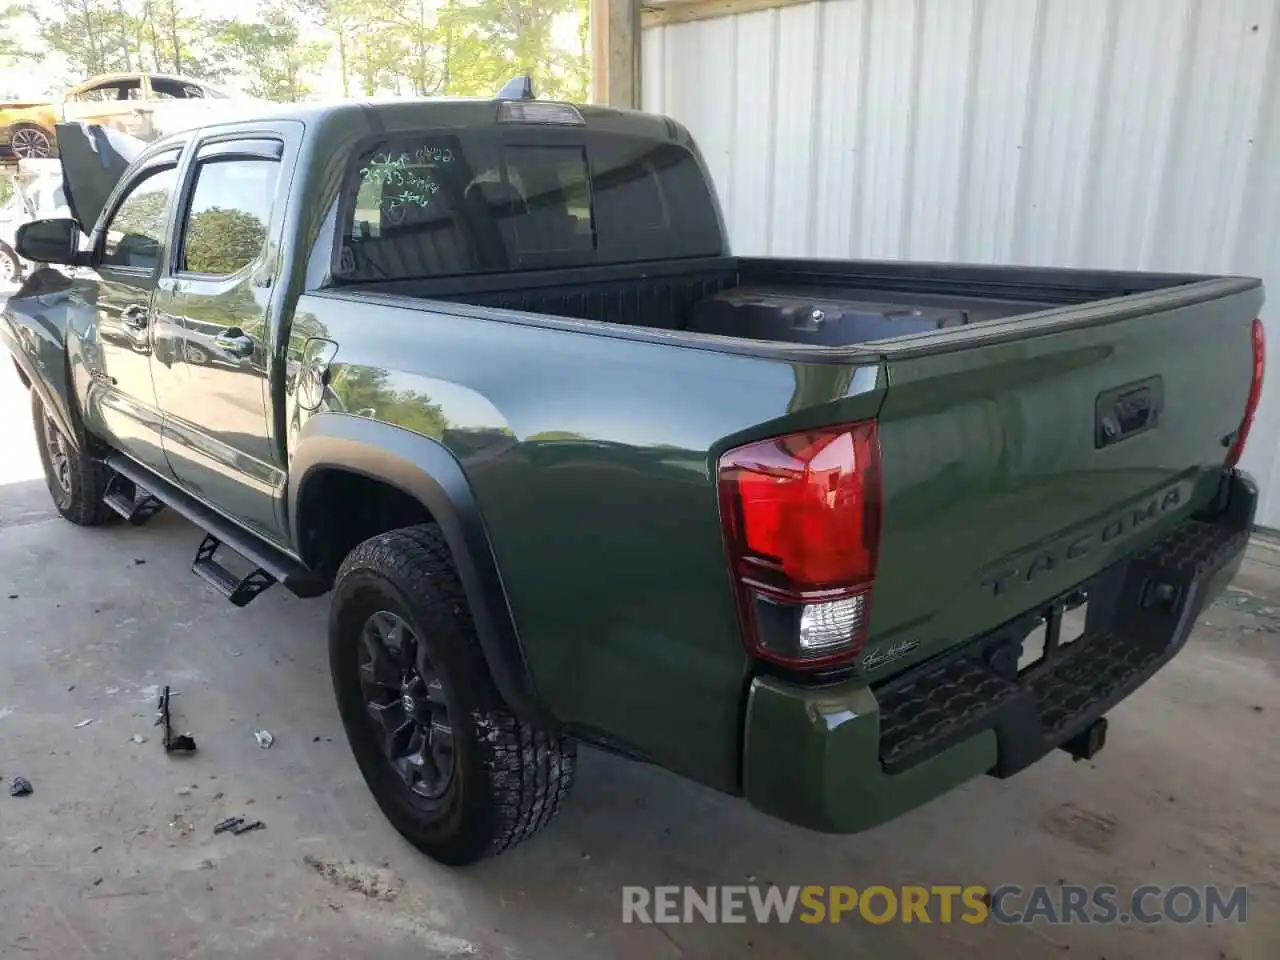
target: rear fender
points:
(36, 336)
(426, 470)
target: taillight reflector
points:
(801, 516)
(1255, 394)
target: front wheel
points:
(449, 763)
(75, 480)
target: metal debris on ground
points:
(237, 826)
(138, 738)
(183, 743)
(83, 723)
(20, 787)
(264, 738)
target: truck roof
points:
(400, 114)
(337, 129)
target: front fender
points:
(426, 470)
(33, 327)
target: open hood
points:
(93, 159)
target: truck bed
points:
(668, 296)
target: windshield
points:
(510, 199)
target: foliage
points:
(222, 241)
(273, 53)
(364, 389)
(144, 213)
(11, 49)
(293, 48)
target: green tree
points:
(170, 36)
(273, 54)
(144, 213)
(506, 38)
(103, 36)
(414, 47)
(408, 35)
(221, 241)
(364, 389)
(12, 50)
(79, 30)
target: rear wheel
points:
(76, 481)
(10, 265)
(30, 142)
(451, 766)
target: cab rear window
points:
(496, 200)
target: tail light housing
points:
(801, 518)
(1255, 394)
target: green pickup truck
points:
(835, 536)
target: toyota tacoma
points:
(832, 535)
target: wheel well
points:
(339, 509)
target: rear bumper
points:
(846, 757)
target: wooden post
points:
(615, 52)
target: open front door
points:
(93, 160)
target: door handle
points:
(134, 316)
(236, 342)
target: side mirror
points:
(49, 241)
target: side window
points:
(162, 88)
(94, 94)
(111, 92)
(135, 233)
(226, 224)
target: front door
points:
(211, 380)
(121, 400)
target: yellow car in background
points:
(126, 101)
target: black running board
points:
(273, 565)
(137, 510)
(239, 590)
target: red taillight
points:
(1255, 394)
(801, 517)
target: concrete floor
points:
(113, 854)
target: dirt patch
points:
(376, 883)
(1084, 828)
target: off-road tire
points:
(87, 478)
(509, 777)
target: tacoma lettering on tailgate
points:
(1077, 546)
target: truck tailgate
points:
(1021, 459)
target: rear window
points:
(499, 200)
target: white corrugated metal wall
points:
(1128, 134)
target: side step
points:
(273, 564)
(137, 510)
(238, 590)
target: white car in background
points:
(37, 195)
(144, 105)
